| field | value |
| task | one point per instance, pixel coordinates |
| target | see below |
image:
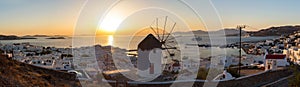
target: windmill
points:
(151, 49)
(167, 41)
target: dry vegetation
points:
(13, 73)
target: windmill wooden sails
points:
(150, 50)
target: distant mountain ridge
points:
(201, 32)
(14, 37)
(36, 36)
(272, 31)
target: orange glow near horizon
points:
(104, 32)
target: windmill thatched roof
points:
(149, 43)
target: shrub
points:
(295, 80)
(233, 72)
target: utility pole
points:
(240, 27)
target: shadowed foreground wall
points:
(252, 81)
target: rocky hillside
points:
(14, 73)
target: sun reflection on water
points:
(110, 40)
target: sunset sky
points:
(59, 17)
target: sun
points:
(110, 23)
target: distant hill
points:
(198, 32)
(276, 31)
(17, 74)
(13, 37)
(10, 37)
(36, 36)
(56, 38)
(201, 32)
(230, 32)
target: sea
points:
(121, 41)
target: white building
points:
(225, 61)
(190, 63)
(63, 65)
(17, 55)
(275, 60)
(269, 42)
(293, 54)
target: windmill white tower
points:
(153, 49)
(149, 60)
